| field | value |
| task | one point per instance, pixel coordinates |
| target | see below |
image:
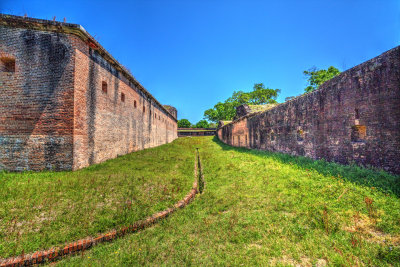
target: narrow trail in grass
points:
(268, 209)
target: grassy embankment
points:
(44, 209)
(258, 208)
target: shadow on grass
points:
(370, 177)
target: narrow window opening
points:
(104, 87)
(357, 114)
(122, 97)
(7, 64)
(134, 103)
(358, 133)
(144, 109)
(272, 136)
(300, 135)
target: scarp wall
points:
(355, 117)
(36, 100)
(65, 103)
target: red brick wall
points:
(354, 117)
(104, 125)
(36, 117)
(53, 112)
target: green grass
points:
(258, 108)
(195, 131)
(258, 208)
(43, 209)
(262, 208)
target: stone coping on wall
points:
(77, 30)
(81, 245)
(325, 86)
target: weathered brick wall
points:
(36, 117)
(68, 103)
(106, 126)
(354, 117)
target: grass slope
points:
(261, 208)
(45, 209)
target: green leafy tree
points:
(202, 124)
(316, 77)
(213, 125)
(227, 110)
(184, 123)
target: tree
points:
(227, 110)
(184, 123)
(202, 124)
(213, 125)
(316, 77)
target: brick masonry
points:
(355, 117)
(68, 103)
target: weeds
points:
(325, 219)
(369, 203)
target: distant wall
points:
(182, 132)
(355, 117)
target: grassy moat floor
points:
(258, 208)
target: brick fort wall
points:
(65, 103)
(354, 117)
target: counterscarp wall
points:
(355, 117)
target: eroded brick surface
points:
(355, 117)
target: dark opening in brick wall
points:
(134, 103)
(358, 133)
(272, 136)
(7, 64)
(122, 97)
(144, 109)
(104, 87)
(357, 114)
(300, 135)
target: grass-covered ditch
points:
(39, 210)
(258, 208)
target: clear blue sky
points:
(193, 53)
